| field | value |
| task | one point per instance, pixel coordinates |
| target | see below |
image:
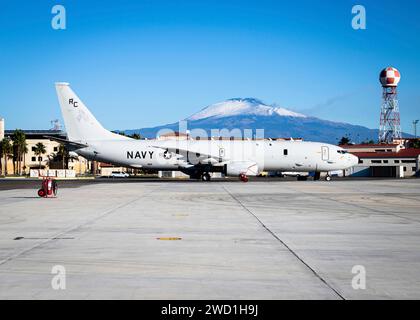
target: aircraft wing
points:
(74, 145)
(189, 156)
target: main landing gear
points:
(243, 177)
(206, 176)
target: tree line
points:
(16, 148)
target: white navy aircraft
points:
(197, 158)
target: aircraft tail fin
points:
(80, 123)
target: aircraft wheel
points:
(206, 177)
(328, 178)
(55, 188)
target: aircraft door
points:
(221, 154)
(325, 152)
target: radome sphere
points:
(389, 77)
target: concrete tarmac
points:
(217, 240)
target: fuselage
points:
(268, 155)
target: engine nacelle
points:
(237, 168)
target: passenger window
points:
(285, 152)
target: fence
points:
(35, 173)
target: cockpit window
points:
(342, 151)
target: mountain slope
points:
(277, 122)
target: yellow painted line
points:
(169, 238)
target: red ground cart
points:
(48, 189)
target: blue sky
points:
(145, 63)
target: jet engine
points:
(241, 168)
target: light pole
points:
(415, 127)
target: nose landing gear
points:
(317, 176)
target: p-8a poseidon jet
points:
(197, 158)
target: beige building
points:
(45, 161)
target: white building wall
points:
(400, 172)
(1, 129)
(405, 167)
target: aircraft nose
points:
(354, 159)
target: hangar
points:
(384, 160)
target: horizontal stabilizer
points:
(76, 145)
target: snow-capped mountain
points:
(241, 107)
(251, 113)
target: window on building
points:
(39, 158)
(33, 159)
(33, 148)
(55, 149)
(285, 152)
(405, 169)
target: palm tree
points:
(344, 141)
(24, 152)
(6, 151)
(39, 150)
(63, 155)
(19, 149)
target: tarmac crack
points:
(75, 228)
(275, 236)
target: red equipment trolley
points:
(48, 189)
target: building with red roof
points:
(384, 160)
